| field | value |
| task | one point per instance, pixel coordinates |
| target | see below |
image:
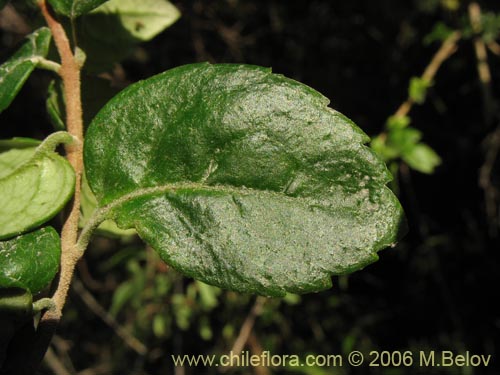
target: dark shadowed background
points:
(436, 290)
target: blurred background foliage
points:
(439, 131)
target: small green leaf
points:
(55, 105)
(15, 71)
(292, 299)
(130, 289)
(75, 8)
(35, 184)
(241, 178)
(422, 158)
(404, 139)
(418, 89)
(13, 159)
(160, 325)
(14, 300)
(438, 34)
(143, 20)
(182, 311)
(451, 5)
(205, 329)
(18, 142)
(384, 150)
(490, 23)
(397, 122)
(30, 261)
(208, 295)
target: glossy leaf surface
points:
(35, 184)
(30, 261)
(242, 178)
(16, 70)
(75, 8)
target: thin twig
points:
(55, 365)
(89, 281)
(490, 191)
(483, 68)
(63, 348)
(248, 324)
(13, 22)
(494, 47)
(103, 368)
(448, 48)
(89, 300)
(256, 349)
(247, 327)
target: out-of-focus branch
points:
(94, 306)
(12, 21)
(55, 365)
(256, 349)
(494, 47)
(246, 328)
(248, 324)
(448, 48)
(491, 193)
(483, 68)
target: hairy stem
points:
(70, 75)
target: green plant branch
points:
(95, 220)
(53, 140)
(43, 63)
(448, 48)
(43, 304)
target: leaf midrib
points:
(173, 187)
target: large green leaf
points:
(35, 183)
(16, 70)
(30, 261)
(241, 178)
(75, 8)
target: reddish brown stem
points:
(70, 75)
